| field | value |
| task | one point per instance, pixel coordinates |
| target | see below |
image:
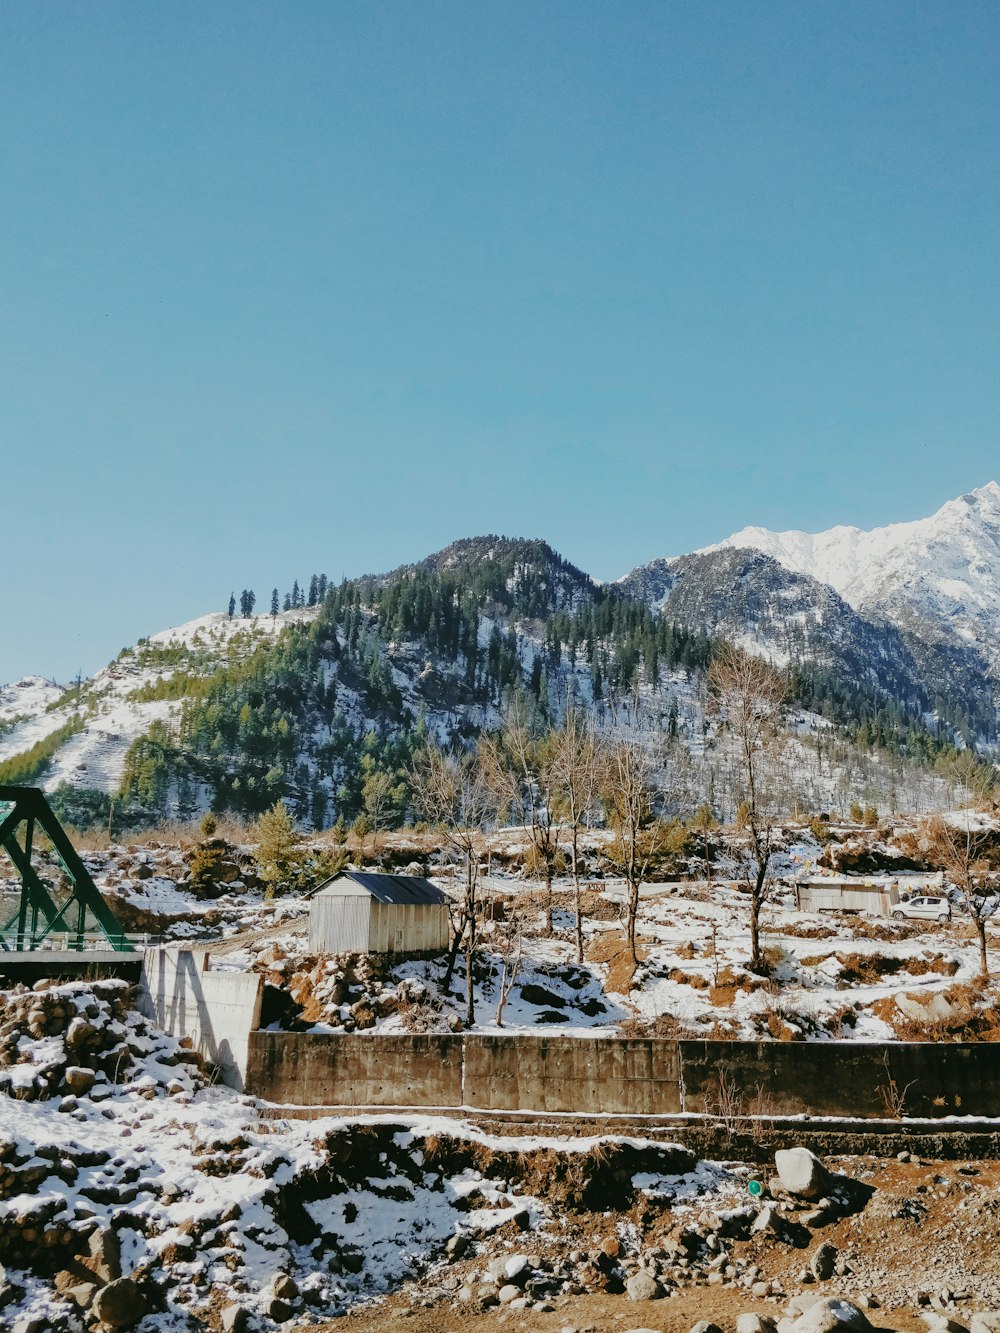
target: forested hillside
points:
(326, 702)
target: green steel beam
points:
(30, 808)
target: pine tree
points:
(296, 595)
(278, 856)
(274, 601)
(287, 604)
(247, 600)
(232, 605)
(313, 590)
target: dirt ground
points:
(929, 1230)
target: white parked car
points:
(923, 909)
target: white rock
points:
(801, 1172)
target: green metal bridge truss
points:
(38, 917)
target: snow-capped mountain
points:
(937, 578)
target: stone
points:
(824, 1261)
(508, 1293)
(755, 1323)
(516, 1270)
(940, 1323)
(79, 1080)
(79, 1034)
(766, 1220)
(103, 1256)
(801, 1173)
(642, 1286)
(29, 1323)
(120, 1304)
(278, 1310)
(457, 1245)
(233, 1319)
(285, 1287)
(985, 1321)
(832, 1314)
(706, 1326)
(79, 1291)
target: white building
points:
(358, 912)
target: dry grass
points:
(611, 948)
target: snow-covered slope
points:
(937, 577)
(112, 716)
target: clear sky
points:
(296, 287)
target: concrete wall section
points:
(217, 1010)
(597, 1076)
(313, 1069)
(854, 1079)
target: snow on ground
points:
(206, 1199)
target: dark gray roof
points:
(395, 888)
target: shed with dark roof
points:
(360, 912)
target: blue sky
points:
(322, 286)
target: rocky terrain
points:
(134, 1194)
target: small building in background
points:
(846, 893)
(361, 912)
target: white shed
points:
(358, 912)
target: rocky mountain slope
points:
(938, 578)
(234, 712)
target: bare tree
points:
(963, 846)
(450, 790)
(575, 767)
(629, 785)
(508, 942)
(749, 694)
(518, 766)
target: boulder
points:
(79, 1080)
(80, 1034)
(755, 1323)
(285, 1287)
(120, 1304)
(985, 1321)
(233, 1319)
(802, 1173)
(642, 1286)
(103, 1256)
(940, 1323)
(706, 1326)
(823, 1261)
(833, 1314)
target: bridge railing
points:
(71, 942)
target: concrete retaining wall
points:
(217, 1010)
(597, 1075)
(625, 1077)
(312, 1069)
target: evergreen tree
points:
(278, 856)
(232, 605)
(313, 590)
(287, 604)
(274, 601)
(247, 600)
